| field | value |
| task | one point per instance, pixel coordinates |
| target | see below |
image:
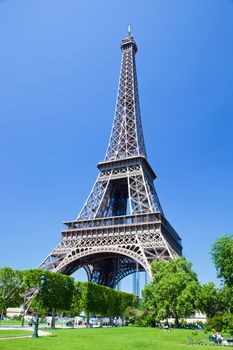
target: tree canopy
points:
(10, 288)
(173, 291)
(222, 255)
(100, 300)
(60, 292)
(208, 299)
(58, 289)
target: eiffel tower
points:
(121, 228)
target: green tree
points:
(91, 298)
(96, 299)
(208, 299)
(77, 301)
(174, 290)
(124, 301)
(222, 255)
(150, 306)
(221, 321)
(11, 288)
(135, 316)
(225, 299)
(58, 290)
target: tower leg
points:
(146, 278)
(136, 280)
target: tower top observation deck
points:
(129, 41)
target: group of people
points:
(217, 337)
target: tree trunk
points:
(177, 322)
(88, 320)
(53, 319)
(23, 316)
(22, 322)
(111, 321)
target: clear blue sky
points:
(59, 68)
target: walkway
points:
(40, 333)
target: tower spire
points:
(126, 138)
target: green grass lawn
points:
(125, 338)
(13, 333)
(11, 322)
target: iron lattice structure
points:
(122, 224)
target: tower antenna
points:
(129, 30)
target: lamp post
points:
(41, 292)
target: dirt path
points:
(40, 333)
